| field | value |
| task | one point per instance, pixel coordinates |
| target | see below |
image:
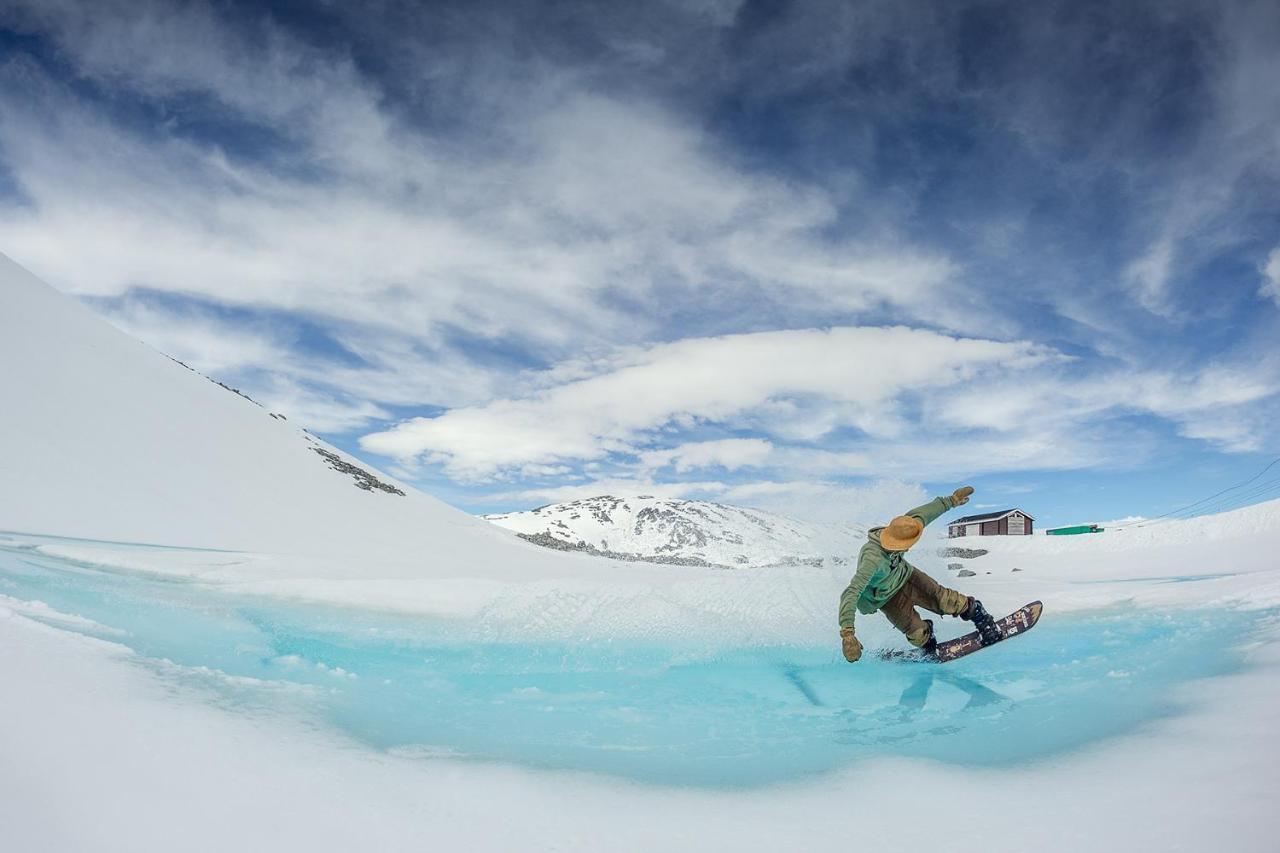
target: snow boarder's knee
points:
(952, 603)
(921, 634)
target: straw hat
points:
(903, 532)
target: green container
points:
(1072, 531)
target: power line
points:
(1263, 492)
(1239, 501)
(1200, 503)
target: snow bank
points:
(1241, 524)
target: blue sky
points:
(822, 258)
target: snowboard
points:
(1018, 622)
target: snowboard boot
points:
(930, 647)
(981, 619)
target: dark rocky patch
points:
(963, 553)
(546, 540)
(364, 480)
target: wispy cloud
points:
(575, 201)
(728, 453)
(830, 502)
(1271, 278)
(852, 402)
(856, 375)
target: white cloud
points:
(555, 222)
(1149, 276)
(861, 371)
(198, 340)
(831, 503)
(1271, 287)
(333, 393)
(729, 453)
(617, 486)
(1199, 204)
(1052, 409)
(532, 232)
(1230, 435)
(920, 405)
(317, 410)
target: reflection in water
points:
(917, 692)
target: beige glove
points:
(961, 495)
(849, 645)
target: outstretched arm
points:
(936, 507)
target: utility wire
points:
(1237, 497)
(1263, 491)
(1234, 502)
(1226, 505)
(1199, 507)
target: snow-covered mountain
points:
(666, 530)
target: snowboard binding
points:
(981, 619)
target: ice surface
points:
(668, 712)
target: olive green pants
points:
(920, 590)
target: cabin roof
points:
(991, 516)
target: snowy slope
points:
(105, 438)
(667, 530)
(1244, 523)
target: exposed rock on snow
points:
(547, 540)
(963, 553)
(680, 532)
(364, 480)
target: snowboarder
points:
(885, 581)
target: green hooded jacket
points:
(882, 573)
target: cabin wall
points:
(998, 527)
